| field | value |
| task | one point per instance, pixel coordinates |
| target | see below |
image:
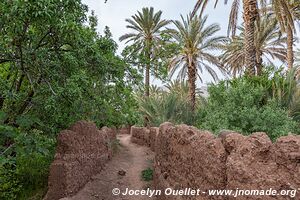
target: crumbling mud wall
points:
(153, 135)
(189, 158)
(140, 135)
(254, 162)
(124, 130)
(82, 151)
(144, 136)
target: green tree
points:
(54, 70)
(147, 26)
(43, 50)
(195, 41)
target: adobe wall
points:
(144, 136)
(82, 151)
(140, 135)
(189, 158)
(124, 130)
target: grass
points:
(147, 174)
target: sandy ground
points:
(132, 159)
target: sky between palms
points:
(114, 12)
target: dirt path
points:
(131, 158)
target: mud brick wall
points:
(124, 130)
(82, 151)
(140, 136)
(189, 158)
(144, 136)
(153, 135)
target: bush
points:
(10, 186)
(147, 174)
(25, 162)
(244, 105)
(169, 103)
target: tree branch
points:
(42, 39)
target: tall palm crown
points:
(251, 15)
(147, 28)
(268, 44)
(196, 43)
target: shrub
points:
(168, 104)
(10, 186)
(147, 174)
(25, 162)
(244, 105)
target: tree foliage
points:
(55, 69)
(252, 104)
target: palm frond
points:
(196, 40)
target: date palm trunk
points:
(148, 66)
(147, 84)
(147, 81)
(250, 16)
(290, 52)
(259, 63)
(147, 92)
(192, 85)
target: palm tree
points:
(268, 44)
(251, 15)
(147, 26)
(286, 14)
(195, 42)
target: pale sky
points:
(114, 12)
